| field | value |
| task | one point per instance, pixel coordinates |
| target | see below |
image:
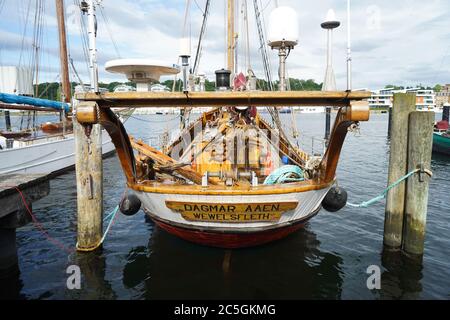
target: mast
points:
(66, 91)
(349, 49)
(230, 36)
(92, 34)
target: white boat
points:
(311, 109)
(48, 154)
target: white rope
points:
(107, 26)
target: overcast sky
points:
(404, 42)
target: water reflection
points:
(440, 160)
(11, 286)
(293, 268)
(402, 277)
(94, 284)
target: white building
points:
(384, 98)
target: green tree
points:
(51, 90)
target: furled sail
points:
(12, 98)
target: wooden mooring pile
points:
(411, 137)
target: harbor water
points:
(327, 260)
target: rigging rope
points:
(22, 46)
(198, 55)
(107, 23)
(83, 34)
(201, 10)
(384, 193)
(184, 31)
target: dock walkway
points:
(14, 214)
(32, 186)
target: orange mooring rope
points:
(39, 225)
(55, 241)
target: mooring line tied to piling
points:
(39, 225)
(111, 216)
(394, 185)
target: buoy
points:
(130, 204)
(335, 199)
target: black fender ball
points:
(335, 199)
(130, 204)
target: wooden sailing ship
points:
(230, 179)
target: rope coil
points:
(285, 174)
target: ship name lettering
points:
(209, 208)
(263, 208)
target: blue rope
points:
(285, 174)
(384, 193)
(113, 215)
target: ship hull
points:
(51, 155)
(229, 239)
(441, 144)
(226, 234)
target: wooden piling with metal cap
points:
(88, 152)
(404, 104)
(420, 141)
(89, 175)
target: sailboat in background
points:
(49, 148)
